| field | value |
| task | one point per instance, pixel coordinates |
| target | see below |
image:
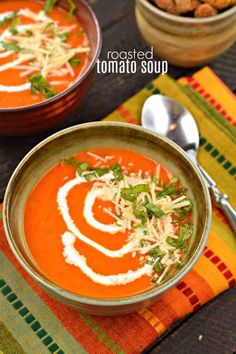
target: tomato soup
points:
(108, 223)
(43, 51)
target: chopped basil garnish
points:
(13, 25)
(64, 36)
(157, 181)
(72, 9)
(173, 180)
(155, 252)
(158, 268)
(11, 46)
(139, 214)
(115, 168)
(99, 172)
(74, 61)
(169, 191)
(48, 6)
(185, 232)
(148, 261)
(183, 213)
(29, 32)
(8, 18)
(141, 242)
(40, 85)
(80, 167)
(131, 193)
(154, 210)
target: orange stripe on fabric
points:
(153, 320)
(164, 312)
(132, 324)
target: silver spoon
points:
(168, 118)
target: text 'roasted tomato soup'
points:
(43, 51)
(108, 223)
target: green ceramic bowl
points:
(87, 136)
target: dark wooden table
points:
(216, 321)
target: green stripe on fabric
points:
(8, 344)
(210, 112)
(215, 153)
(101, 335)
(28, 316)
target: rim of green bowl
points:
(76, 298)
(187, 20)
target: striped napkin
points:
(32, 322)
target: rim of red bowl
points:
(86, 72)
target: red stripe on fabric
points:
(197, 86)
(221, 266)
(127, 115)
(188, 292)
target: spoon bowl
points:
(168, 118)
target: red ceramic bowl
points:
(27, 120)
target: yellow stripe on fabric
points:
(208, 80)
(152, 320)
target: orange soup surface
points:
(108, 223)
(41, 54)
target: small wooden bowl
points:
(88, 136)
(27, 120)
(186, 41)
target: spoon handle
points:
(221, 200)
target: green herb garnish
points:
(40, 85)
(117, 171)
(29, 32)
(72, 9)
(48, 6)
(158, 268)
(185, 232)
(8, 18)
(183, 213)
(155, 252)
(14, 24)
(157, 181)
(99, 172)
(169, 191)
(139, 214)
(131, 193)
(74, 61)
(154, 210)
(64, 36)
(11, 46)
(173, 180)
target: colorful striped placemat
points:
(31, 322)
